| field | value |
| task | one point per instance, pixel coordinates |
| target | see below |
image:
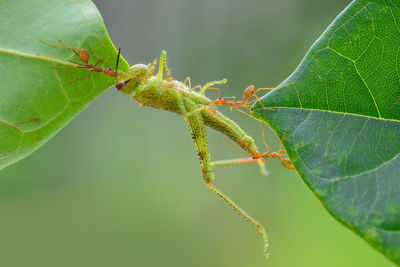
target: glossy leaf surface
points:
(341, 118)
(36, 99)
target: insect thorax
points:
(173, 96)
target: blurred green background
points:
(122, 185)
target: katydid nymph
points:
(160, 91)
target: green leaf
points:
(37, 100)
(341, 119)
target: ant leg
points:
(196, 87)
(99, 58)
(67, 46)
(280, 145)
(261, 162)
(69, 67)
(187, 80)
(82, 79)
(259, 89)
(283, 157)
(273, 88)
(82, 54)
(245, 113)
(263, 137)
(62, 46)
(234, 148)
(259, 101)
(215, 88)
(76, 63)
(78, 79)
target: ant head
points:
(109, 71)
(220, 101)
(137, 74)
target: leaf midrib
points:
(36, 57)
(329, 111)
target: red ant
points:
(246, 102)
(260, 158)
(248, 93)
(278, 154)
(84, 56)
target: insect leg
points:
(272, 88)
(50, 57)
(196, 125)
(215, 88)
(209, 84)
(62, 46)
(245, 216)
(99, 58)
(242, 160)
(161, 66)
(82, 79)
(196, 87)
(239, 161)
(187, 80)
(258, 99)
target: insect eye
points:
(120, 85)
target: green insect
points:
(198, 111)
(160, 91)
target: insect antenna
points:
(116, 65)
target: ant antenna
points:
(116, 67)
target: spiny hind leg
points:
(241, 212)
(196, 125)
(162, 65)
